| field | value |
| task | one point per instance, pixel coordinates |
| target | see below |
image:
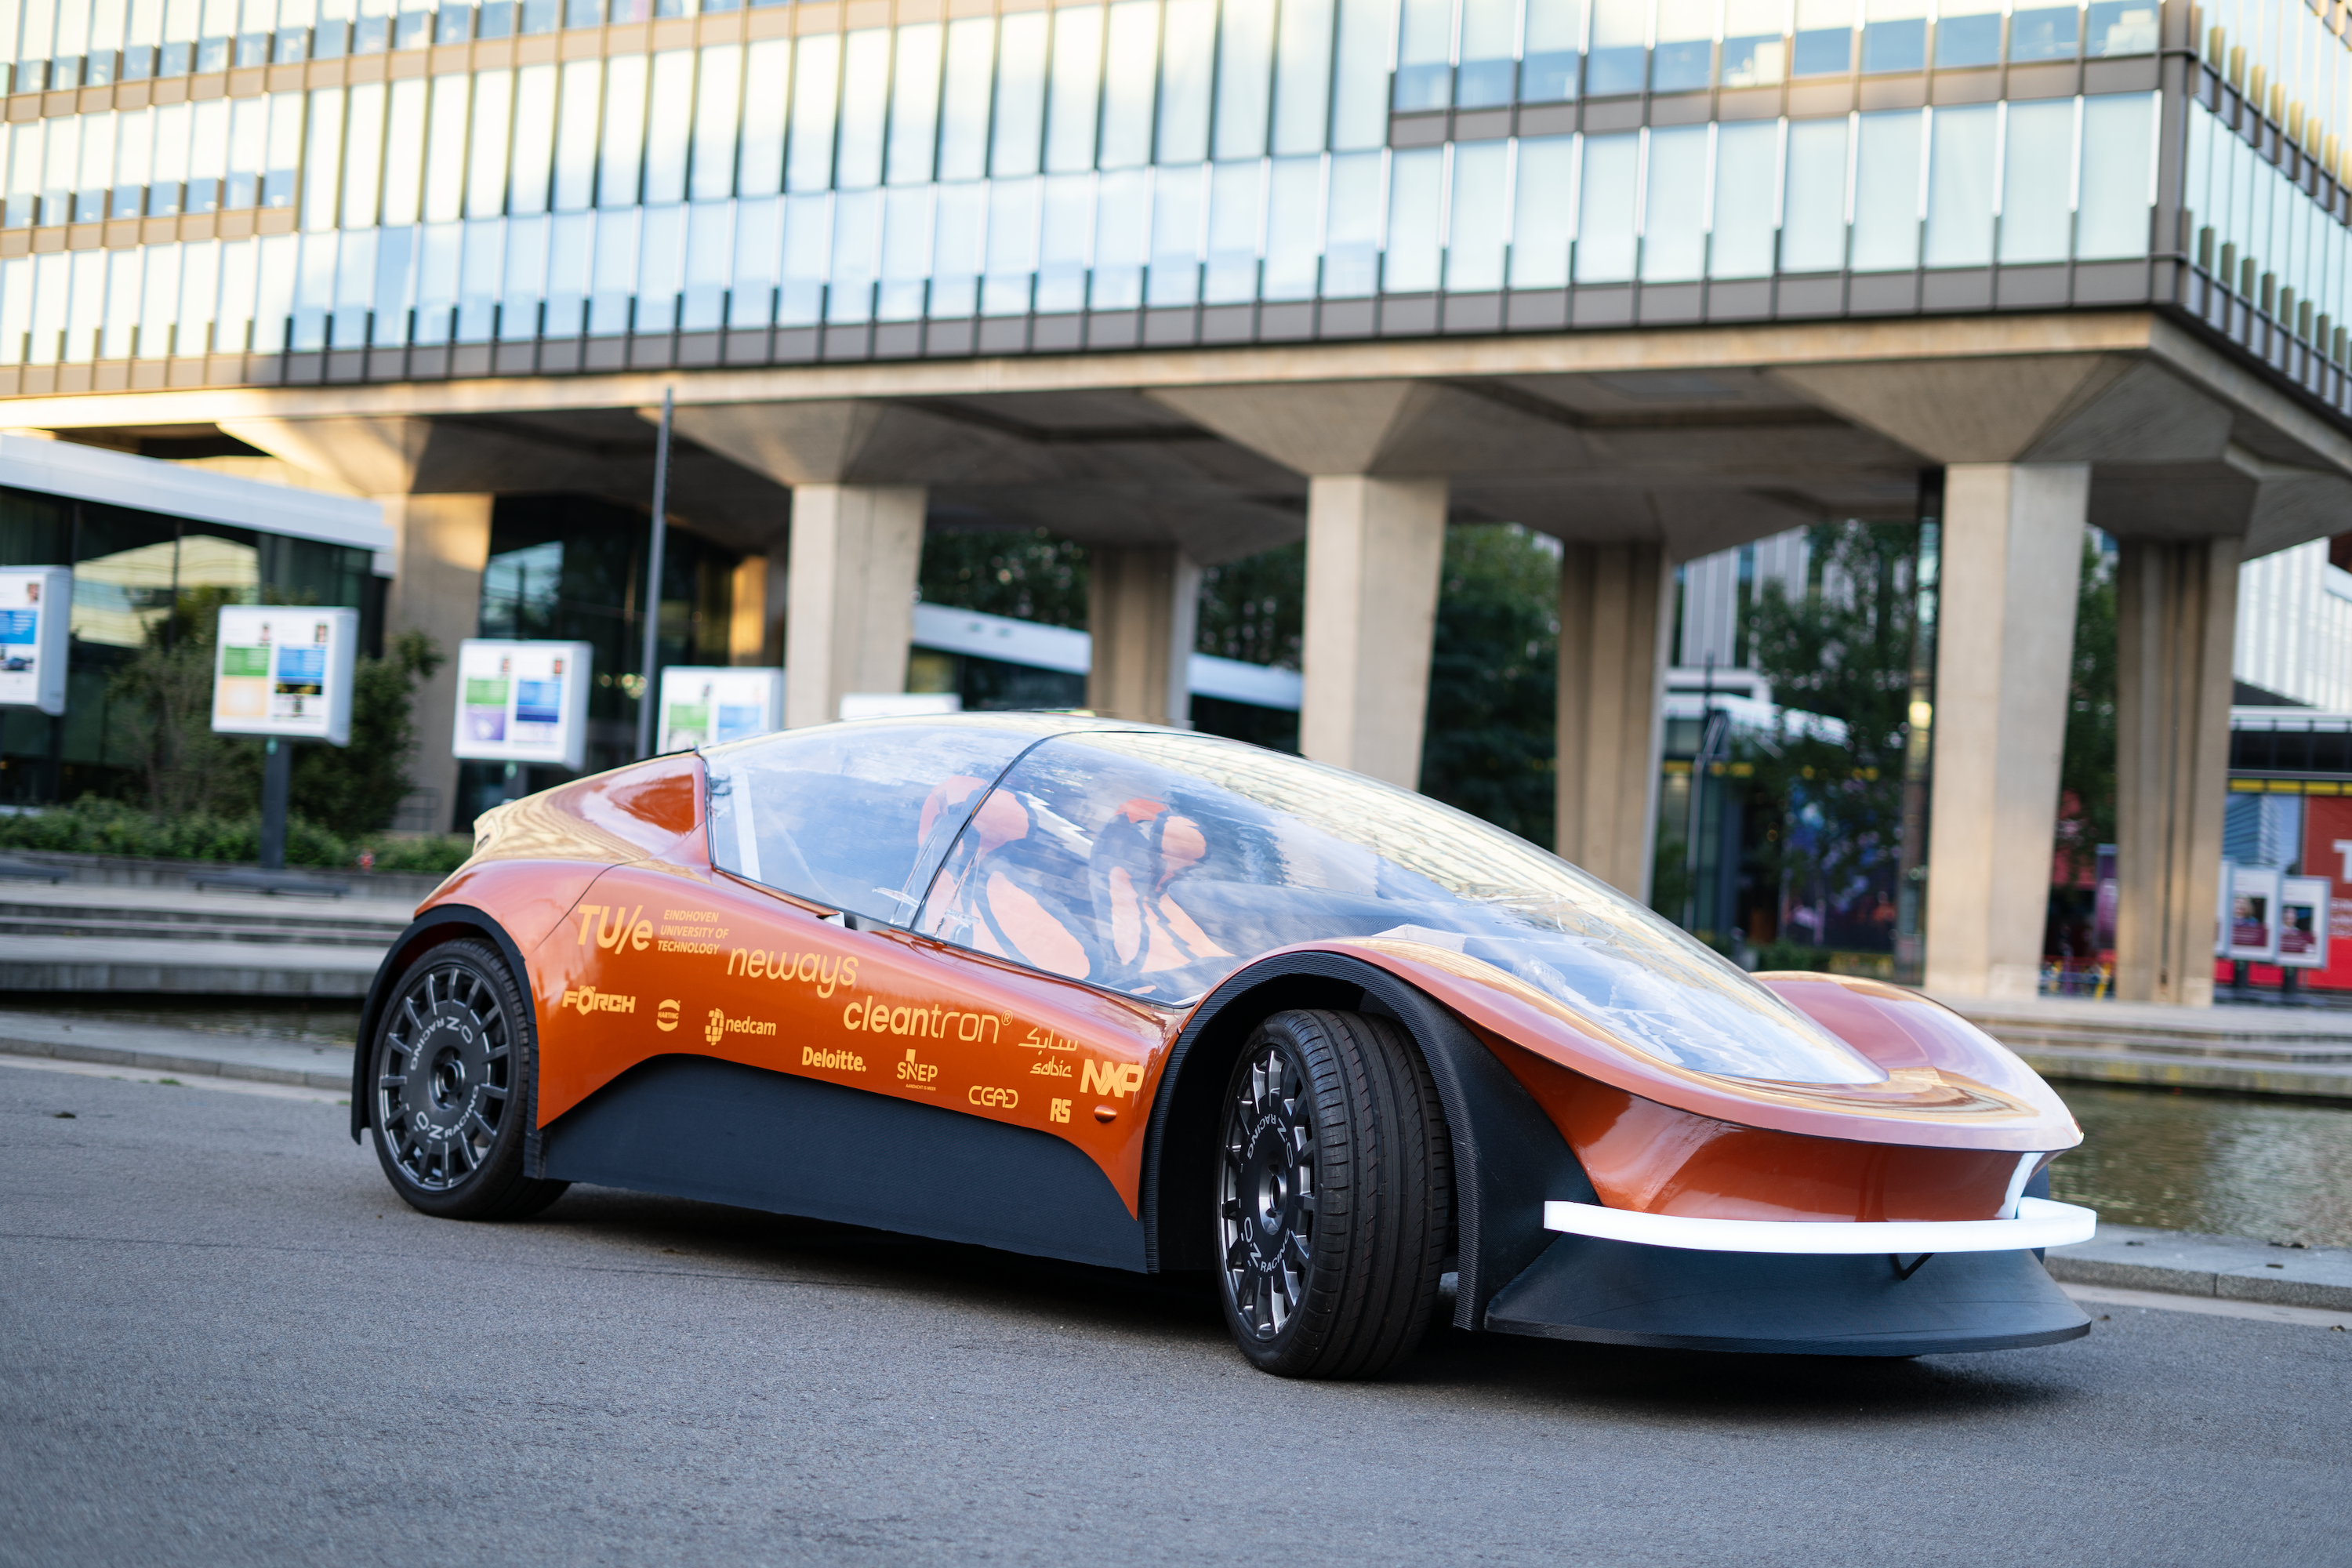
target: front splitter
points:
(1624, 1293)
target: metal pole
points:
(649, 700)
(276, 776)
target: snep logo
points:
(1111, 1079)
(666, 1016)
(719, 1026)
(587, 999)
(917, 1075)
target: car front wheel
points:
(453, 1069)
(1334, 1192)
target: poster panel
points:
(2303, 921)
(2327, 856)
(522, 702)
(36, 608)
(702, 705)
(2253, 913)
(285, 670)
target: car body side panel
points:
(531, 897)
(1922, 1106)
(693, 1126)
(1642, 1156)
(658, 960)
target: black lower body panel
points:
(695, 1128)
(1621, 1293)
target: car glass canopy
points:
(841, 814)
(1154, 864)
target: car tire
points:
(1334, 1195)
(453, 1070)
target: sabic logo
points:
(1111, 1079)
(587, 999)
(666, 1016)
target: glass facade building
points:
(237, 192)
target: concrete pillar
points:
(747, 621)
(2012, 556)
(855, 550)
(1374, 548)
(2176, 614)
(1613, 625)
(441, 543)
(1143, 608)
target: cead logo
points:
(666, 1016)
(993, 1099)
(1114, 1079)
(587, 999)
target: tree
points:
(1839, 647)
(358, 787)
(2086, 772)
(1027, 574)
(159, 705)
(1489, 746)
(1254, 610)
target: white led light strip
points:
(2039, 1223)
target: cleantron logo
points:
(719, 1025)
(587, 999)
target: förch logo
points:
(666, 1016)
(719, 1025)
(587, 999)
(1111, 1079)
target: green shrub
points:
(1792, 955)
(92, 826)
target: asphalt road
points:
(222, 1340)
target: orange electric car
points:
(1157, 1001)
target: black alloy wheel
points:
(1334, 1195)
(454, 1069)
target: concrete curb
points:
(166, 1061)
(2224, 1267)
(2186, 1072)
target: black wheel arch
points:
(442, 922)
(1509, 1158)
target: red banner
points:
(2327, 852)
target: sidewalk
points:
(124, 939)
(194, 1053)
(2248, 1050)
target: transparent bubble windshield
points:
(842, 815)
(1155, 864)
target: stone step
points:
(166, 925)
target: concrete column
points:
(1143, 608)
(1374, 548)
(2012, 556)
(747, 621)
(2177, 612)
(1613, 625)
(441, 543)
(855, 550)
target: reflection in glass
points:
(1352, 231)
(1812, 223)
(1539, 231)
(1414, 182)
(1683, 60)
(1604, 226)
(1747, 176)
(1894, 47)
(1424, 73)
(1967, 41)
(2113, 221)
(1487, 71)
(1476, 236)
(1887, 192)
(1617, 63)
(2042, 35)
(1674, 235)
(1961, 187)
(2122, 27)
(1824, 38)
(1155, 864)
(2039, 154)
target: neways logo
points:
(588, 999)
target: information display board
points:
(36, 608)
(702, 705)
(285, 670)
(2253, 930)
(2303, 921)
(522, 702)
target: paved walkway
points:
(158, 1047)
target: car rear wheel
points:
(453, 1069)
(1334, 1192)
